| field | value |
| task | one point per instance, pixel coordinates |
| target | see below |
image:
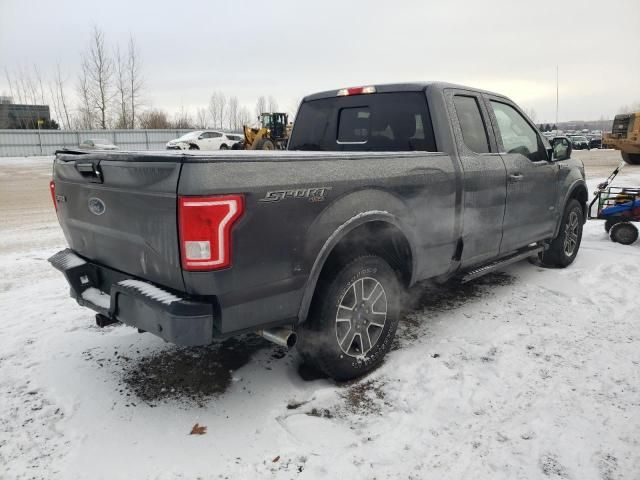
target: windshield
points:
(579, 139)
(380, 122)
(190, 135)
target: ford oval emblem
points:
(96, 206)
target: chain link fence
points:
(24, 143)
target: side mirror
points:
(561, 149)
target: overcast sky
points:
(292, 47)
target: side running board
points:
(491, 267)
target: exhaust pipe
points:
(285, 337)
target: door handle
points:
(515, 177)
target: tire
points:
(624, 232)
(564, 248)
(265, 144)
(631, 158)
(224, 147)
(238, 146)
(346, 340)
(194, 147)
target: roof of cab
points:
(400, 87)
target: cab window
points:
(474, 133)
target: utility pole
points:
(557, 96)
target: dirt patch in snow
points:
(189, 375)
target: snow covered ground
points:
(525, 374)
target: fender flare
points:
(338, 234)
(579, 183)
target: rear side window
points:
(353, 125)
(376, 122)
(474, 133)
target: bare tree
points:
(261, 105)
(273, 104)
(122, 90)
(86, 115)
(182, 119)
(217, 109)
(232, 113)
(154, 119)
(27, 88)
(60, 99)
(244, 117)
(136, 82)
(214, 109)
(201, 118)
(98, 68)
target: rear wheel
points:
(631, 158)
(564, 248)
(624, 232)
(224, 147)
(353, 318)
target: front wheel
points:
(564, 248)
(353, 318)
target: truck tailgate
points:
(119, 210)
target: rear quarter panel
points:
(275, 244)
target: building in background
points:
(13, 115)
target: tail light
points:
(52, 189)
(205, 230)
(345, 92)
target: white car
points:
(201, 140)
(97, 144)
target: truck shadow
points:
(195, 375)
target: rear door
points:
(119, 210)
(484, 177)
(532, 179)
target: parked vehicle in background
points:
(97, 144)
(579, 142)
(382, 187)
(595, 142)
(625, 136)
(201, 140)
(235, 139)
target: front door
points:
(532, 178)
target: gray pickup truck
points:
(381, 187)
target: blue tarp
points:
(623, 207)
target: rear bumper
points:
(136, 303)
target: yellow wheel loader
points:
(625, 136)
(271, 134)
